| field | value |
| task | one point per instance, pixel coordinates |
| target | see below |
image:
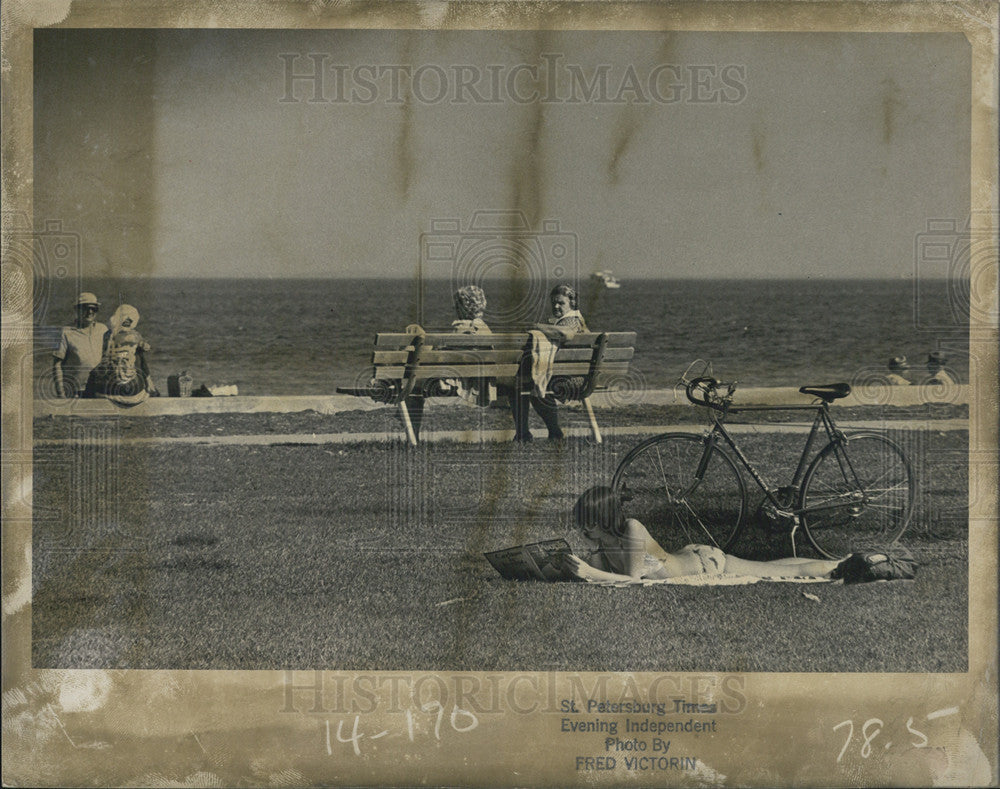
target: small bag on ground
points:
(891, 565)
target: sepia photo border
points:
(310, 728)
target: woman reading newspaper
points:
(621, 550)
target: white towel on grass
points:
(709, 580)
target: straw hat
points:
(899, 363)
(87, 298)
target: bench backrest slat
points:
(449, 355)
(503, 371)
(499, 341)
(488, 356)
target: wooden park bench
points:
(403, 363)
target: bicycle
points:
(856, 493)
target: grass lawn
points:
(368, 557)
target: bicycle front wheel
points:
(857, 495)
(680, 494)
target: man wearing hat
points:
(936, 361)
(898, 366)
(80, 348)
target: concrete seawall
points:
(333, 404)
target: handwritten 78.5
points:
(872, 727)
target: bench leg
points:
(593, 421)
(410, 435)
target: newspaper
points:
(536, 561)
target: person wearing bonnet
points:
(470, 306)
(123, 374)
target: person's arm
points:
(554, 332)
(143, 366)
(578, 568)
(565, 329)
(629, 555)
(57, 376)
(58, 355)
(632, 551)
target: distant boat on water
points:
(607, 278)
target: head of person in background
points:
(470, 306)
(564, 301)
(937, 374)
(125, 317)
(936, 361)
(87, 307)
(122, 324)
(898, 368)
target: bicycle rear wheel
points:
(857, 495)
(664, 484)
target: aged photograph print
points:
(481, 350)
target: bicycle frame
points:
(837, 495)
(822, 420)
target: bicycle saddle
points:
(827, 392)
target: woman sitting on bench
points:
(470, 306)
(566, 322)
(621, 549)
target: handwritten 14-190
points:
(460, 720)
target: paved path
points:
(477, 436)
(874, 394)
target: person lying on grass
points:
(621, 550)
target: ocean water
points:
(283, 337)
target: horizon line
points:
(623, 280)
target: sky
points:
(190, 153)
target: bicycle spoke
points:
(869, 485)
(700, 523)
(833, 491)
(663, 473)
(899, 486)
(887, 507)
(682, 522)
(677, 508)
(884, 494)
